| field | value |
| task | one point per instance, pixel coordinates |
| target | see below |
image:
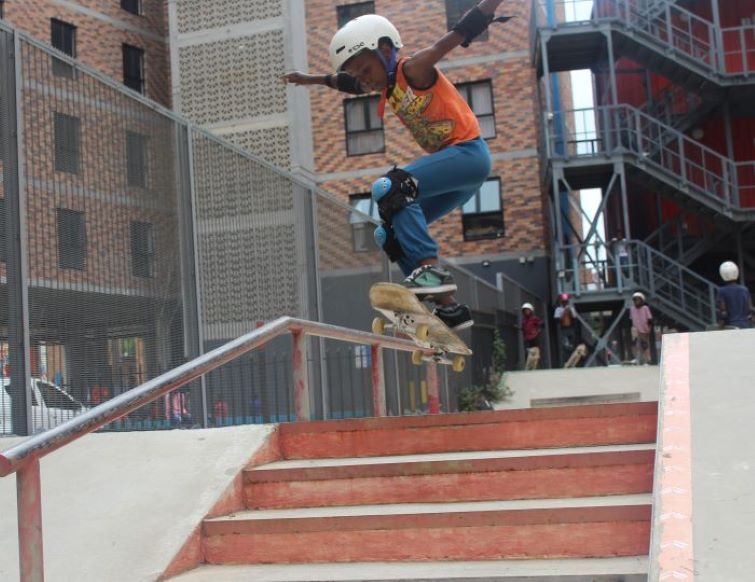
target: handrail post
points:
(301, 377)
(682, 158)
(378, 381)
(29, 501)
(433, 392)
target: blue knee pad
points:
(386, 240)
(394, 192)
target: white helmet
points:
(639, 295)
(729, 271)
(362, 33)
(528, 306)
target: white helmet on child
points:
(361, 33)
(638, 295)
(527, 306)
(729, 271)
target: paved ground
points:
(117, 507)
(581, 386)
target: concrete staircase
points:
(538, 494)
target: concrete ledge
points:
(120, 506)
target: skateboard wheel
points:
(378, 326)
(418, 357)
(422, 331)
(458, 364)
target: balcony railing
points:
(631, 265)
(726, 52)
(687, 164)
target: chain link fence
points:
(133, 241)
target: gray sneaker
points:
(429, 281)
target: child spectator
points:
(734, 304)
(642, 322)
(531, 326)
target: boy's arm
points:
(420, 67)
(340, 81)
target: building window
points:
(67, 143)
(479, 96)
(351, 11)
(3, 232)
(482, 215)
(72, 239)
(364, 127)
(2, 9)
(133, 67)
(142, 249)
(132, 6)
(455, 9)
(63, 38)
(362, 228)
(136, 159)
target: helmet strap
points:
(390, 68)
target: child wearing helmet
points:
(642, 321)
(566, 316)
(531, 326)
(364, 56)
(734, 302)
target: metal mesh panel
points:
(103, 240)
(193, 16)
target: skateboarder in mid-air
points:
(364, 55)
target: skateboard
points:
(533, 358)
(576, 356)
(405, 313)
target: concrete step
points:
(490, 530)
(624, 569)
(452, 477)
(567, 426)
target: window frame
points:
(468, 219)
(139, 256)
(76, 258)
(139, 7)
(60, 68)
(3, 231)
(365, 100)
(343, 9)
(67, 152)
(467, 86)
(469, 4)
(132, 179)
(359, 223)
(139, 83)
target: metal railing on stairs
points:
(680, 161)
(727, 52)
(24, 458)
(631, 265)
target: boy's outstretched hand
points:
(297, 78)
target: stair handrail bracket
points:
(24, 458)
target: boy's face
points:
(527, 312)
(367, 68)
(637, 302)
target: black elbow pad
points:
(475, 22)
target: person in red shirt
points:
(531, 326)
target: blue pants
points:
(447, 179)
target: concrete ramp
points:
(705, 468)
(119, 506)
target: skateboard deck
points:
(408, 315)
(576, 356)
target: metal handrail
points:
(666, 24)
(24, 458)
(691, 164)
(665, 279)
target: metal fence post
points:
(378, 381)
(29, 501)
(17, 268)
(301, 376)
(433, 391)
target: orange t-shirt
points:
(436, 117)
